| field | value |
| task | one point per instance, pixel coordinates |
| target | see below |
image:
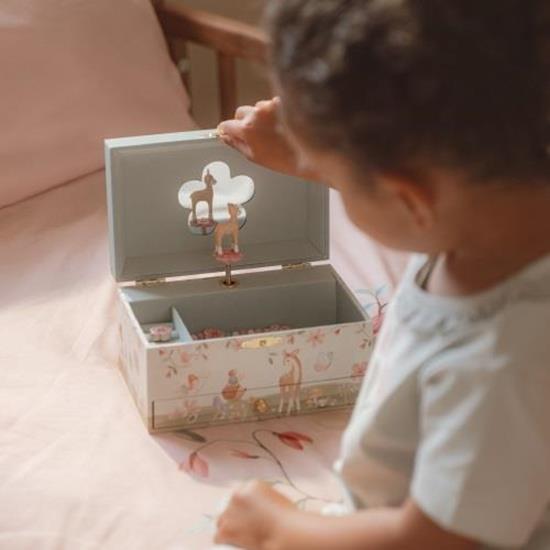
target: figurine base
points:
(229, 257)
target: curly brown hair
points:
(401, 85)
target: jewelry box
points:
(229, 308)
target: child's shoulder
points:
(505, 326)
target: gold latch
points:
(299, 265)
(264, 342)
(151, 282)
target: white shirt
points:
(455, 411)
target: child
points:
(432, 119)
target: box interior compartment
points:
(304, 298)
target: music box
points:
(229, 309)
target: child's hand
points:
(252, 519)
(258, 134)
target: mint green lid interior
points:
(287, 219)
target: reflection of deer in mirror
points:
(230, 227)
(204, 195)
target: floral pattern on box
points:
(253, 377)
(132, 360)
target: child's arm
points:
(257, 133)
(260, 518)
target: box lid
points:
(153, 231)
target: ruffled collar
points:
(428, 312)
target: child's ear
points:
(417, 198)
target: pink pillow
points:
(73, 73)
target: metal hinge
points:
(151, 282)
(299, 265)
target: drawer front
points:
(249, 378)
(257, 404)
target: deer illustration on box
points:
(290, 382)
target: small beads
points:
(209, 333)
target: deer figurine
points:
(290, 382)
(230, 227)
(204, 195)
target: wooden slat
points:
(227, 82)
(178, 53)
(229, 37)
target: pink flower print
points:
(293, 439)
(195, 464)
(185, 357)
(377, 321)
(316, 338)
(191, 385)
(233, 344)
(365, 343)
(358, 371)
(243, 454)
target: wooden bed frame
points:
(229, 39)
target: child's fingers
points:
(231, 129)
(271, 104)
(224, 536)
(233, 140)
(228, 525)
(243, 111)
(264, 104)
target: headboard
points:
(229, 39)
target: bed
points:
(77, 467)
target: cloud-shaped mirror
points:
(216, 203)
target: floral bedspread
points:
(78, 469)
(294, 454)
